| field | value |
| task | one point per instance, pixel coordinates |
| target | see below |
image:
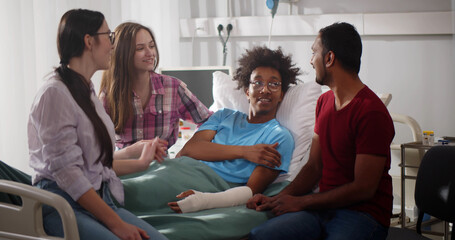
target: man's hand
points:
(258, 201)
(279, 204)
(263, 154)
(287, 203)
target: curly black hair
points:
(264, 57)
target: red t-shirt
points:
(364, 126)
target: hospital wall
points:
(418, 70)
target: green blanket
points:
(12, 174)
(147, 195)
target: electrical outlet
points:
(225, 22)
(201, 27)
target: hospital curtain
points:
(28, 52)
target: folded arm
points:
(367, 175)
(201, 147)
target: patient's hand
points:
(174, 205)
(263, 154)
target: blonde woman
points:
(142, 103)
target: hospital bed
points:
(25, 221)
(145, 191)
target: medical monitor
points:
(198, 79)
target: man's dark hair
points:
(344, 41)
(264, 57)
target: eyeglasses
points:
(111, 35)
(272, 86)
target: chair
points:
(434, 191)
(25, 221)
(435, 186)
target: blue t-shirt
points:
(232, 128)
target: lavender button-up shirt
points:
(62, 143)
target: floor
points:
(437, 226)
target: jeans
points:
(89, 227)
(330, 224)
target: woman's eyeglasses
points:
(111, 35)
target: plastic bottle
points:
(425, 138)
(428, 138)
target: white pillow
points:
(226, 94)
(296, 113)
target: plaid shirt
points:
(169, 102)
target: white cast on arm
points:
(229, 198)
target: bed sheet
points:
(147, 194)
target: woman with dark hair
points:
(142, 103)
(71, 138)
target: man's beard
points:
(323, 80)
